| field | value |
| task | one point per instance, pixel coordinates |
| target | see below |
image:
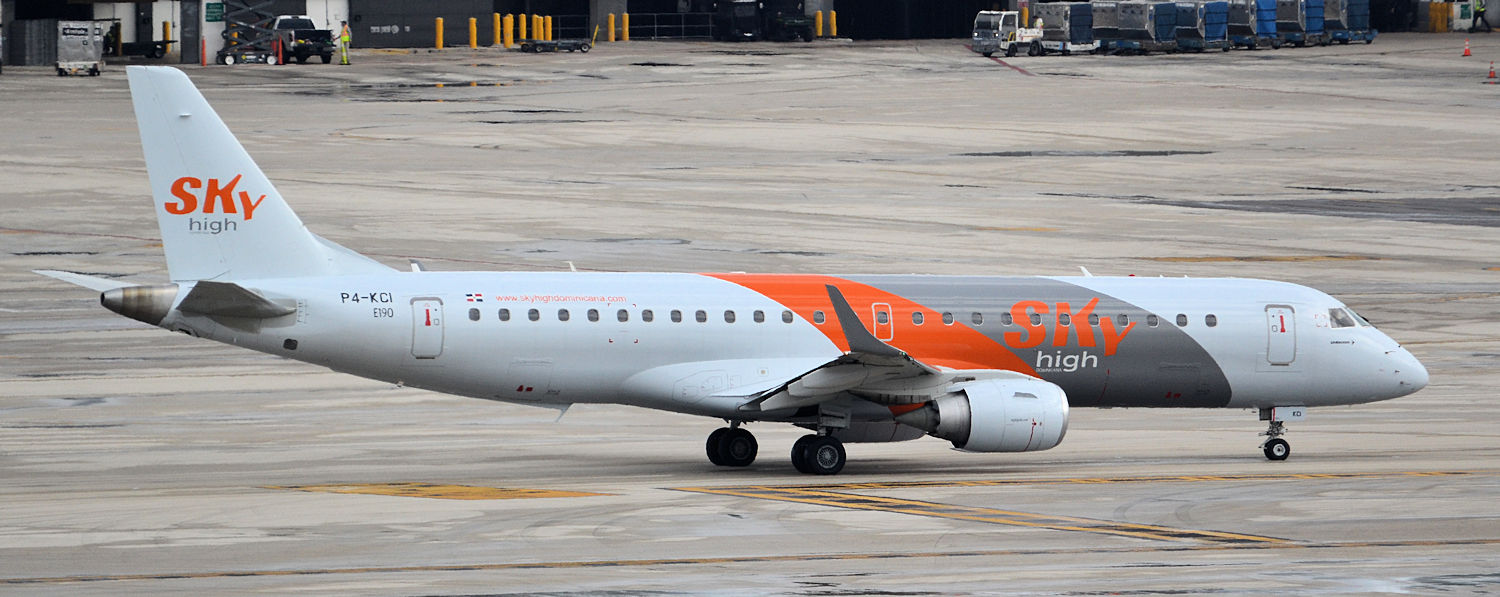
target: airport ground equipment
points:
(248, 36)
(1355, 25)
(1001, 31)
(297, 38)
(149, 49)
(1203, 25)
(1300, 22)
(749, 20)
(537, 46)
(1145, 27)
(80, 47)
(1106, 19)
(1252, 24)
(1067, 27)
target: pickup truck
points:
(299, 38)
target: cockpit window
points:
(1341, 318)
(1359, 319)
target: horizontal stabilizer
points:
(231, 300)
(89, 282)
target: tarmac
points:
(135, 461)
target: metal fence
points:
(671, 25)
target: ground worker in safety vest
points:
(1479, 18)
(344, 42)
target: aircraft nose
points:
(1410, 374)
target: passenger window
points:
(916, 317)
(977, 318)
(1210, 320)
(1006, 319)
(1181, 320)
(505, 315)
(1065, 319)
(760, 316)
(882, 317)
(593, 315)
(1093, 319)
(786, 317)
(947, 318)
(1122, 320)
(533, 314)
(701, 316)
(1340, 318)
(473, 314)
(818, 317)
(676, 316)
(622, 315)
(1036, 319)
(1152, 320)
(647, 316)
(562, 315)
(729, 317)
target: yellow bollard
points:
(625, 26)
(166, 30)
(522, 20)
(496, 28)
(611, 27)
(547, 26)
(473, 33)
(508, 25)
(818, 24)
(537, 29)
(439, 44)
(833, 23)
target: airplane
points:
(990, 364)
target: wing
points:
(871, 369)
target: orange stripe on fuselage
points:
(955, 346)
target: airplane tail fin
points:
(220, 217)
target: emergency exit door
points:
(426, 328)
(1281, 327)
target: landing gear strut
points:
(1275, 447)
(731, 446)
(818, 455)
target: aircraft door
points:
(884, 329)
(1281, 325)
(426, 328)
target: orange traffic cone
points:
(1466, 47)
(1492, 69)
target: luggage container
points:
(1356, 21)
(1067, 27)
(1106, 20)
(80, 47)
(1145, 27)
(1305, 26)
(1253, 24)
(1203, 25)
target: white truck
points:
(1001, 31)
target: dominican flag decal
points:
(475, 297)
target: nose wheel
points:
(1275, 447)
(731, 446)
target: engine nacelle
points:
(996, 415)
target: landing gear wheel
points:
(737, 447)
(823, 455)
(712, 445)
(799, 453)
(1277, 449)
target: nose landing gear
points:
(1275, 447)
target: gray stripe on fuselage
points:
(1153, 367)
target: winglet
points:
(859, 338)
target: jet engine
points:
(996, 415)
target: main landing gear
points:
(812, 454)
(732, 446)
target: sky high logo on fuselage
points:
(193, 196)
(1053, 325)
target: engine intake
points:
(996, 415)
